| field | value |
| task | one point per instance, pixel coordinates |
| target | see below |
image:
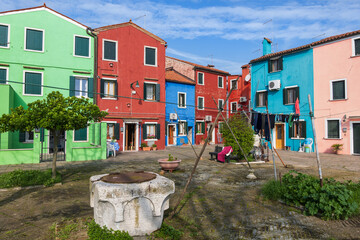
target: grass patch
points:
(95, 232)
(272, 190)
(167, 232)
(25, 178)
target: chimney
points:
(266, 46)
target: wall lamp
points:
(137, 85)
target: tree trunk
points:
(56, 142)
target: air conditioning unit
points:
(243, 99)
(173, 116)
(208, 118)
(274, 85)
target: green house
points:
(42, 51)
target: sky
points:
(227, 34)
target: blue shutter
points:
(4, 31)
(2, 75)
(90, 87)
(72, 86)
(34, 40)
(82, 46)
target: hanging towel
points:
(297, 107)
(291, 120)
(226, 151)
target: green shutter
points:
(4, 31)
(42, 134)
(157, 93)
(338, 90)
(291, 131)
(3, 75)
(196, 128)
(269, 66)
(333, 128)
(303, 129)
(72, 86)
(357, 46)
(117, 131)
(82, 46)
(116, 89)
(110, 50)
(150, 56)
(203, 127)
(34, 40)
(144, 131)
(90, 87)
(32, 83)
(145, 86)
(186, 127)
(297, 92)
(266, 98)
(257, 99)
(166, 126)
(281, 63)
(81, 134)
(102, 88)
(285, 96)
(157, 136)
(21, 136)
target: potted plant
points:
(202, 141)
(169, 163)
(154, 147)
(337, 147)
(145, 147)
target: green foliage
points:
(23, 178)
(154, 145)
(65, 232)
(95, 232)
(167, 232)
(272, 190)
(334, 200)
(171, 158)
(336, 147)
(243, 132)
(144, 145)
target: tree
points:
(243, 132)
(54, 113)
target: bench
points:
(213, 155)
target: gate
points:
(47, 147)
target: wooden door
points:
(171, 135)
(280, 141)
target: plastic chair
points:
(308, 145)
(110, 148)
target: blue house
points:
(278, 80)
(180, 108)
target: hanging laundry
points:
(297, 107)
(291, 120)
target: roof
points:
(211, 69)
(44, 7)
(130, 23)
(307, 46)
(171, 75)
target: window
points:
(109, 88)
(150, 56)
(338, 89)
(34, 40)
(32, 83)
(81, 46)
(4, 36)
(200, 78)
(275, 65)
(182, 100)
(152, 91)
(200, 127)
(221, 103)
(151, 131)
(109, 50)
(356, 47)
(81, 87)
(290, 94)
(298, 129)
(333, 128)
(234, 84)
(261, 99)
(81, 135)
(26, 137)
(220, 82)
(200, 103)
(182, 128)
(113, 130)
(3, 75)
(233, 107)
(220, 127)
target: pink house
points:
(337, 92)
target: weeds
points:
(24, 178)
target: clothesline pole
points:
(315, 142)
(272, 146)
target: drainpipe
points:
(91, 32)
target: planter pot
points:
(154, 148)
(169, 165)
(146, 148)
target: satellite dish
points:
(247, 78)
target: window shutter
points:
(4, 36)
(291, 131)
(90, 87)
(72, 86)
(303, 129)
(297, 90)
(157, 94)
(357, 46)
(42, 134)
(203, 127)
(21, 136)
(157, 131)
(116, 89)
(117, 131)
(33, 83)
(266, 98)
(196, 128)
(285, 96)
(281, 63)
(34, 40)
(269, 66)
(166, 127)
(81, 46)
(145, 86)
(144, 131)
(81, 134)
(109, 50)
(257, 99)
(2, 75)
(186, 127)
(102, 89)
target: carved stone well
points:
(130, 201)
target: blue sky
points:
(227, 34)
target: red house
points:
(131, 82)
(240, 96)
(210, 83)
